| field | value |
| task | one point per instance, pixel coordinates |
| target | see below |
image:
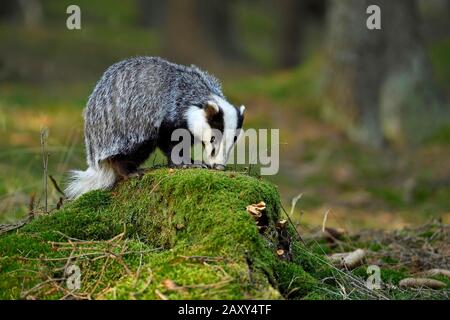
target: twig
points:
(31, 206)
(299, 237)
(44, 134)
(160, 295)
(4, 228)
(55, 184)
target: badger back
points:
(126, 107)
(134, 96)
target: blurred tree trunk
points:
(378, 82)
(27, 11)
(9, 10)
(294, 15)
(151, 12)
(291, 20)
(219, 24)
(31, 12)
(184, 39)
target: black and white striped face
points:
(217, 125)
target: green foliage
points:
(439, 52)
(440, 136)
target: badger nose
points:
(220, 167)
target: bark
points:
(378, 82)
(294, 15)
(184, 39)
(220, 28)
(291, 18)
(151, 13)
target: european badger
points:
(136, 106)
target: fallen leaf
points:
(170, 285)
(421, 282)
(436, 272)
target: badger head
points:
(217, 124)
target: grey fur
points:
(132, 99)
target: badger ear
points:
(242, 109)
(211, 108)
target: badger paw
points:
(219, 167)
(194, 166)
(137, 174)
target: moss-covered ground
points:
(178, 234)
(182, 234)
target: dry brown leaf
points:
(354, 259)
(170, 285)
(421, 282)
(436, 272)
(335, 233)
(349, 260)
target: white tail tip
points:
(80, 182)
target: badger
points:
(134, 109)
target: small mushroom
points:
(281, 224)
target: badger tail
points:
(81, 182)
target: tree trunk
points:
(151, 13)
(291, 19)
(184, 39)
(32, 12)
(219, 24)
(378, 82)
(294, 17)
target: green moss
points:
(393, 276)
(294, 282)
(188, 227)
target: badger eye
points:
(212, 139)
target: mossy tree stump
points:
(182, 234)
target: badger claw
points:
(219, 167)
(194, 166)
(137, 174)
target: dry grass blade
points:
(56, 186)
